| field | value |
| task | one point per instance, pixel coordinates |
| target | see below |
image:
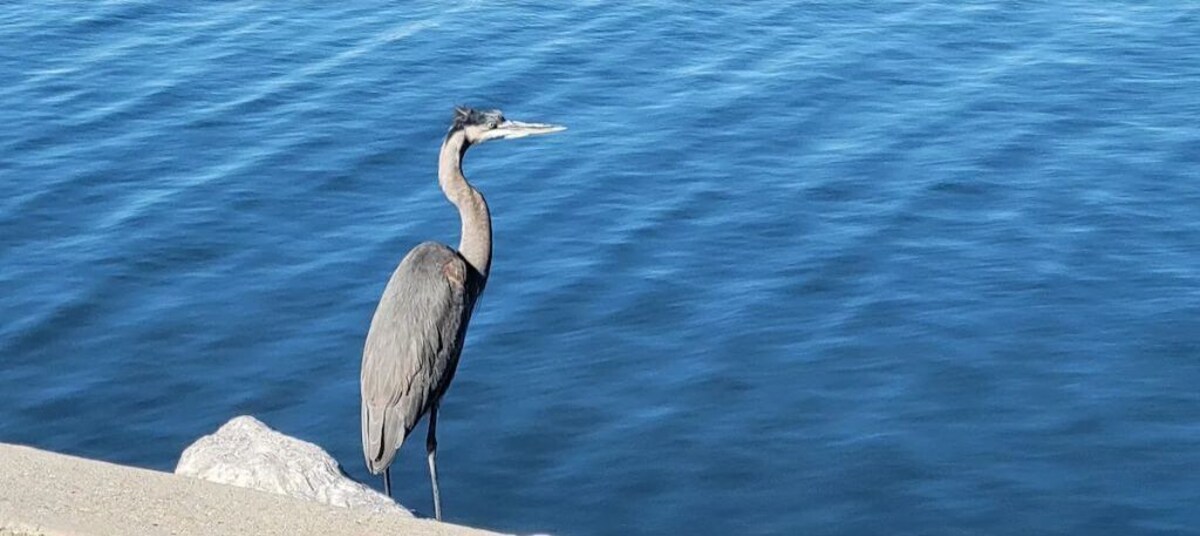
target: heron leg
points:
(431, 448)
(387, 481)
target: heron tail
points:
(381, 437)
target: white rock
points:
(247, 453)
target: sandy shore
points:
(44, 493)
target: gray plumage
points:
(428, 287)
(416, 335)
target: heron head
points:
(486, 125)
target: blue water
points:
(819, 268)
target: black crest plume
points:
(465, 116)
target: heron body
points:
(421, 348)
(416, 335)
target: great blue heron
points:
(417, 332)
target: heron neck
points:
(476, 243)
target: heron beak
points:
(510, 130)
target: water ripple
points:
(809, 267)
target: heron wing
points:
(412, 347)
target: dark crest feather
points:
(465, 116)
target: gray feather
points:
(412, 347)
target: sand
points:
(43, 493)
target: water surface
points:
(813, 268)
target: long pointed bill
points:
(509, 130)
